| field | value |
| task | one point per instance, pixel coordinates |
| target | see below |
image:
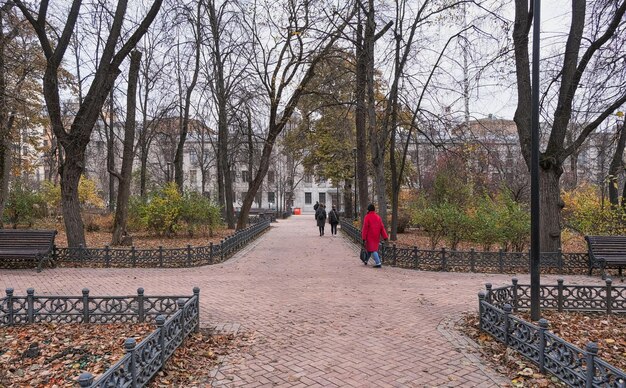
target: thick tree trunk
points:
(71, 171)
(5, 142)
(348, 193)
(550, 205)
(125, 176)
(359, 117)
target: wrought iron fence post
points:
(560, 260)
(481, 299)
(85, 305)
(196, 294)
(515, 288)
(85, 379)
(160, 321)
(543, 327)
(107, 256)
(81, 253)
(188, 255)
(609, 297)
(415, 258)
(221, 250)
(395, 255)
(444, 262)
(129, 348)
(140, 305)
(507, 322)
(592, 351)
(133, 257)
(488, 288)
(181, 306)
(9, 292)
(161, 256)
(472, 261)
(211, 253)
(500, 260)
(54, 253)
(30, 301)
(560, 301)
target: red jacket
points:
(373, 228)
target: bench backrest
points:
(607, 246)
(26, 239)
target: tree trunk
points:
(5, 139)
(550, 205)
(71, 171)
(617, 165)
(110, 136)
(125, 176)
(359, 118)
(347, 199)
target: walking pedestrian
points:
(320, 216)
(373, 229)
(333, 220)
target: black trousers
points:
(333, 228)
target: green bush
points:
(442, 221)
(198, 212)
(167, 212)
(23, 206)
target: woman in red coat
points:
(373, 228)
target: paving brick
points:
(316, 316)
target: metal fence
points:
(175, 318)
(161, 257)
(472, 261)
(573, 366)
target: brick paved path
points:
(316, 315)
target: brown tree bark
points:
(617, 166)
(125, 175)
(5, 125)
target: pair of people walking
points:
(321, 216)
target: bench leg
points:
(41, 259)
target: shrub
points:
(87, 194)
(197, 212)
(442, 221)
(163, 210)
(584, 213)
(23, 205)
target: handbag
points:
(363, 256)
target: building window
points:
(307, 198)
(257, 199)
(193, 157)
(270, 177)
(322, 197)
(245, 176)
(270, 197)
(193, 177)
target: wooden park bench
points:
(27, 245)
(607, 252)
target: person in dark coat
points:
(373, 229)
(320, 216)
(333, 220)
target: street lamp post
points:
(354, 154)
(535, 248)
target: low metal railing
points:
(161, 257)
(472, 261)
(573, 366)
(175, 317)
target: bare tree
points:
(76, 139)
(589, 34)
(287, 62)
